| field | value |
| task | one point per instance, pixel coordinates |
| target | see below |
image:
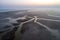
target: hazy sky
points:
(13, 4)
(30, 2)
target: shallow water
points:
(8, 18)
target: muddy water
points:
(33, 31)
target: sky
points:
(29, 3)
